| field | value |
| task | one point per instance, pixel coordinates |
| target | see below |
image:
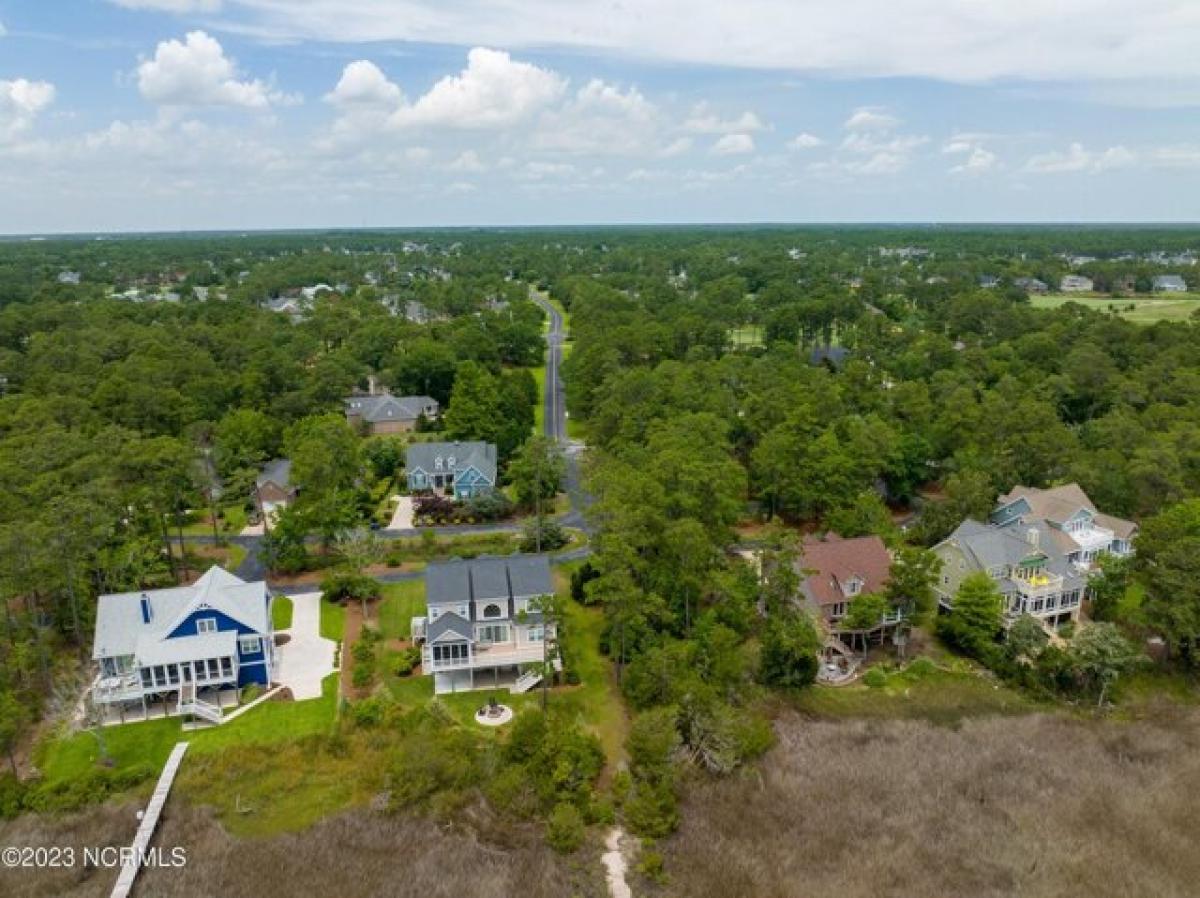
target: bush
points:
(650, 865)
(407, 661)
(876, 678)
(340, 586)
(493, 506)
(362, 676)
(12, 796)
(652, 809)
(250, 693)
(552, 537)
(565, 829)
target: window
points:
(537, 633)
(437, 463)
(206, 625)
(146, 681)
(454, 651)
(838, 610)
(226, 667)
(249, 645)
(214, 669)
(491, 610)
(853, 587)
(490, 633)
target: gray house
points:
(1170, 283)
(478, 630)
(381, 412)
(273, 488)
(460, 469)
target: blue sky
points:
(197, 114)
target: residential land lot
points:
(1140, 310)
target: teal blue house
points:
(461, 470)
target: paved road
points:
(555, 401)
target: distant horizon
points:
(918, 224)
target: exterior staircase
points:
(526, 681)
(189, 703)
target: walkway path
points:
(615, 864)
(402, 518)
(141, 841)
(305, 659)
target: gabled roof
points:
(448, 624)
(494, 577)
(1059, 504)
(1170, 280)
(424, 457)
(991, 547)
(385, 407)
(120, 629)
(278, 472)
(833, 562)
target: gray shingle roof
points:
(120, 629)
(454, 457)
(278, 472)
(385, 407)
(512, 576)
(449, 623)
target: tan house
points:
(378, 411)
(273, 487)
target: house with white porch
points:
(1075, 527)
(183, 650)
(481, 629)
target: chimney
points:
(147, 611)
(372, 385)
(1032, 536)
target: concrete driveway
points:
(305, 659)
(402, 518)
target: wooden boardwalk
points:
(141, 842)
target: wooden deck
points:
(141, 841)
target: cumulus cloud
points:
(976, 158)
(196, 72)
(494, 90)
(805, 141)
(733, 145)
(466, 161)
(1079, 159)
(601, 118)
(21, 101)
(363, 84)
(174, 6)
(704, 120)
(871, 118)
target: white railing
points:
(1039, 587)
(496, 655)
(120, 688)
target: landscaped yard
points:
(232, 518)
(281, 613)
(402, 601)
(1146, 310)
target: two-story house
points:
(480, 630)
(1032, 575)
(461, 470)
(835, 571)
(1076, 528)
(181, 648)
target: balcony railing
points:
(120, 688)
(1037, 586)
(497, 655)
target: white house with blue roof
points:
(181, 648)
(481, 628)
(462, 469)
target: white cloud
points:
(467, 161)
(871, 118)
(704, 120)
(978, 161)
(804, 141)
(363, 84)
(196, 72)
(21, 101)
(601, 118)
(492, 91)
(952, 40)
(676, 147)
(3, 30)
(1079, 159)
(175, 6)
(733, 145)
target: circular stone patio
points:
(484, 716)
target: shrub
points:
(341, 586)
(493, 506)
(552, 536)
(362, 676)
(876, 678)
(565, 829)
(652, 809)
(12, 796)
(250, 693)
(651, 866)
(407, 661)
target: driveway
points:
(402, 518)
(305, 659)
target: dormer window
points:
(437, 463)
(450, 462)
(206, 625)
(853, 586)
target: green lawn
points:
(234, 520)
(333, 621)
(401, 601)
(1146, 310)
(281, 613)
(539, 408)
(748, 336)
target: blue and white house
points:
(462, 470)
(183, 648)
